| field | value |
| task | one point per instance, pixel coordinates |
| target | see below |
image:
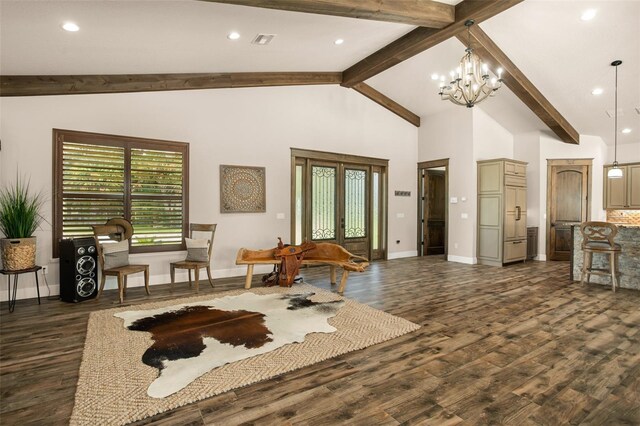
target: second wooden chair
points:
(198, 254)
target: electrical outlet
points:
(45, 270)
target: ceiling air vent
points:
(612, 112)
(638, 110)
(263, 39)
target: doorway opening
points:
(568, 194)
(340, 199)
(433, 209)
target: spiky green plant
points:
(19, 210)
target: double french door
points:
(340, 202)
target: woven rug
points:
(113, 380)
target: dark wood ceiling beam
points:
(421, 39)
(41, 85)
(424, 13)
(520, 85)
(387, 103)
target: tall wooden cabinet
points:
(502, 211)
(623, 193)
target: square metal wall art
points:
(242, 189)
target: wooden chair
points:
(192, 265)
(597, 237)
(115, 232)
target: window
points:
(97, 177)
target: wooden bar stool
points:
(597, 237)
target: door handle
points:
(519, 214)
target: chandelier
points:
(470, 83)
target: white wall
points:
(254, 127)
(627, 153)
(465, 136)
(450, 135)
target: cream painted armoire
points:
(502, 211)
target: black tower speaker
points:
(78, 269)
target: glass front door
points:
(339, 203)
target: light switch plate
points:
(279, 215)
(454, 200)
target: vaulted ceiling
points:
(563, 56)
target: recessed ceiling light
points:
(597, 91)
(626, 131)
(233, 35)
(588, 14)
(338, 41)
(435, 76)
(70, 26)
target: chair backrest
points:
(204, 227)
(600, 232)
(113, 232)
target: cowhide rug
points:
(121, 367)
(193, 338)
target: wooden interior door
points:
(434, 212)
(568, 205)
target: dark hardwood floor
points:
(518, 345)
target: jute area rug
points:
(113, 381)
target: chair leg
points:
(121, 287)
(124, 289)
(146, 280)
(103, 279)
(584, 267)
(189, 277)
(333, 274)
(172, 271)
(589, 261)
(209, 275)
(196, 272)
(612, 268)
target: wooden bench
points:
(323, 254)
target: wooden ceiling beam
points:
(421, 39)
(520, 85)
(387, 103)
(42, 85)
(424, 13)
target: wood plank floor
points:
(520, 345)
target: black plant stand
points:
(16, 274)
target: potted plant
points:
(19, 218)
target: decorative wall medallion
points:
(242, 189)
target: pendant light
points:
(615, 172)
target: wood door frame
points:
(565, 162)
(423, 165)
(302, 156)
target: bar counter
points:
(629, 260)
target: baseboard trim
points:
(541, 257)
(462, 259)
(28, 290)
(401, 254)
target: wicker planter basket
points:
(18, 253)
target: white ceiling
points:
(562, 55)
